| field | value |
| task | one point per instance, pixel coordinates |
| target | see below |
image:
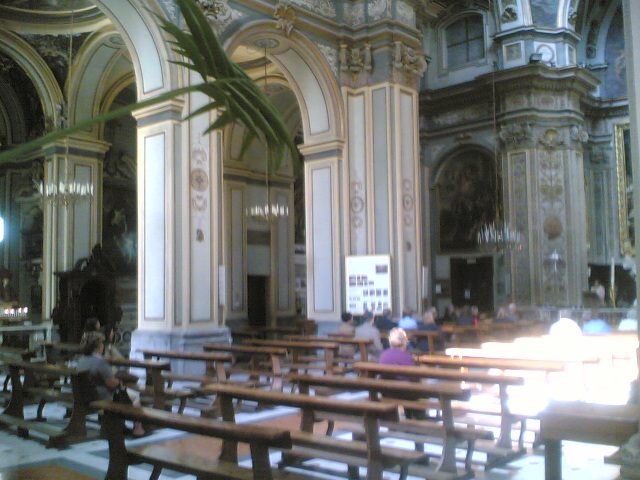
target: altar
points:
(24, 334)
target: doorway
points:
(472, 282)
(257, 300)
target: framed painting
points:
(625, 188)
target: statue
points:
(8, 295)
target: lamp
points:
(498, 235)
(269, 211)
(68, 190)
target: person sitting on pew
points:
(407, 322)
(91, 325)
(367, 329)
(384, 323)
(397, 354)
(103, 380)
(565, 327)
(428, 324)
(346, 329)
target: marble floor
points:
(29, 459)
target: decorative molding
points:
(578, 134)
(356, 60)
(509, 11)
(199, 189)
(331, 56)
(322, 7)
(222, 15)
(285, 17)
(408, 60)
(515, 134)
(457, 116)
(550, 139)
(354, 14)
(599, 154)
(356, 204)
(379, 9)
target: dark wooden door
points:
(472, 282)
(257, 300)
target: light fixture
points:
(267, 212)
(498, 235)
(68, 190)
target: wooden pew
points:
(307, 444)
(214, 365)
(431, 335)
(299, 350)
(254, 362)
(362, 344)
(501, 451)
(583, 422)
(24, 390)
(154, 391)
(441, 429)
(259, 438)
(13, 353)
(547, 366)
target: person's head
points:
(407, 312)
(367, 317)
(434, 311)
(512, 308)
(596, 282)
(386, 313)
(428, 318)
(92, 324)
(474, 310)
(502, 312)
(93, 343)
(398, 338)
(347, 317)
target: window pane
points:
(476, 50)
(457, 55)
(456, 33)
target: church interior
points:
(450, 153)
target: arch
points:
(309, 77)
(36, 69)
(145, 43)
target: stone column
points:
(382, 173)
(542, 138)
(73, 228)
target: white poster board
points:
(368, 283)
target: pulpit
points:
(88, 290)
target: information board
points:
(368, 283)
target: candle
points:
(612, 282)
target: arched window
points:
(465, 41)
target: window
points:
(465, 41)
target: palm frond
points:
(229, 88)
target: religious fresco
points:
(615, 77)
(466, 193)
(544, 12)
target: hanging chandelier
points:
(498, 236)
(268, 212)
(67, 191)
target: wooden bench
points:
(362, 345)
(583, 422)
(307, 444)
(441, 429)
(14, 353)
(213, 371)
(154, 392)
(254, 362)
(25, 390)
(259, 438)
(501, 451)
(303, 356)
(432, 337)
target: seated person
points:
(407, 322)
(397, 354)
(92, 324)
(368, 330)
(103, 380)
(384, 323)
(593, 325)
(428, 324)
(630, 323)
(468, 317)
(565, 326)
(346, 329)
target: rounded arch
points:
(145, 43)
(309, 77)
(457, 150)
(36, 69)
